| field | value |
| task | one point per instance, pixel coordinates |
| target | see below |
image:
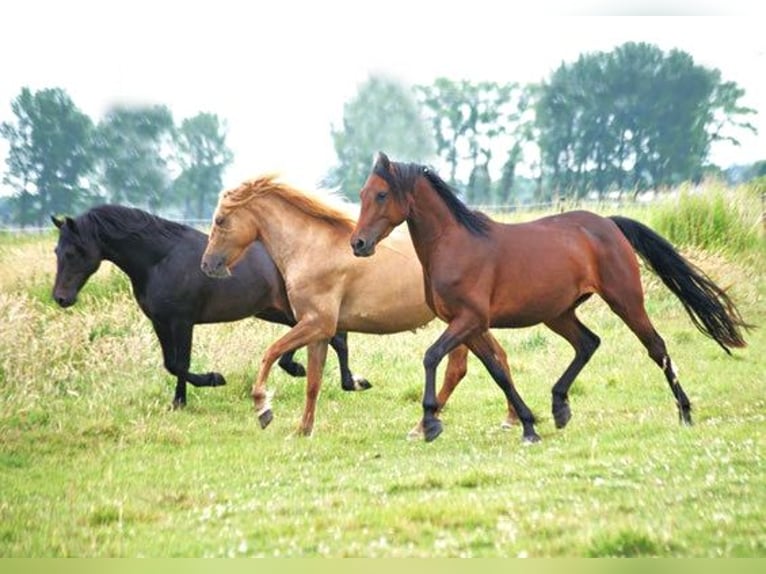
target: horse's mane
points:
(269, 185)
(401, 179)
(111, 221)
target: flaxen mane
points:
(268, 185)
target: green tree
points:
(383, 116)
(471, 123)
(633, 118)
(202, 155)
(50, 156)
(134, 146)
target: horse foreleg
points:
(484, 348)
(457, 366)
(303, 333)
(348, 381)
(317, 355)
(512, 417)
(447, 342)
(290, 366)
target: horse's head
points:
(77, 258)
(233, 230)
(384, 206)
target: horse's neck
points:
(429, 221)
(135, 254)
(288, 233)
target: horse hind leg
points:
(638, 322)
(585, 343)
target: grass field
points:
(93, 462)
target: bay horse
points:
(480, 273)
(161, 258)
(329, 289)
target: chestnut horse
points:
(329, 289)
(480, 273)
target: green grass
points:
(93, 462)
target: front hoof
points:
(294, 369)
(356, 384)
(265, 418)
(178, 404)
(562, 415)
(361, 384)
(509, 423)
(685, 418)
(432, 429)
(530, 438)
(217, 380)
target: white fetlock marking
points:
(668, 364)
(357, 382)
(266, 404)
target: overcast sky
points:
(280, 71)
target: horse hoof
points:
(685, 418)
(508, 423)
(530, 438)
(178, 404)
(562, 415)
(265, 418)
(217, 380)
(432, 429)
(361, 384)
(356, 384)
(294, 369)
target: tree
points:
(50, 155)
(203, 156)
(383, 116)
(633, 118)
(134, 147)
(473, 121)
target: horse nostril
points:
(358, 244)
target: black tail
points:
(712, 311)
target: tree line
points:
(632, 119)
(61, 161)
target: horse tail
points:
(711, 310)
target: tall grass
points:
(713, 218)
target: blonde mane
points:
(268, 185)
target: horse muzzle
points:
(362, 248)
(64, 301)
(214, 266)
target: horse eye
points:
(219, 221)
(380, 197)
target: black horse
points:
(161, 258)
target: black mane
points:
(401, 180)
(119, 222)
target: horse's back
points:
(555, 262)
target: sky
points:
(279, 72)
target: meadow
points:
(94, 463)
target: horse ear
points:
(383, 161)
(68, 221)
(71, 224)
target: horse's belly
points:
(382, 320)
